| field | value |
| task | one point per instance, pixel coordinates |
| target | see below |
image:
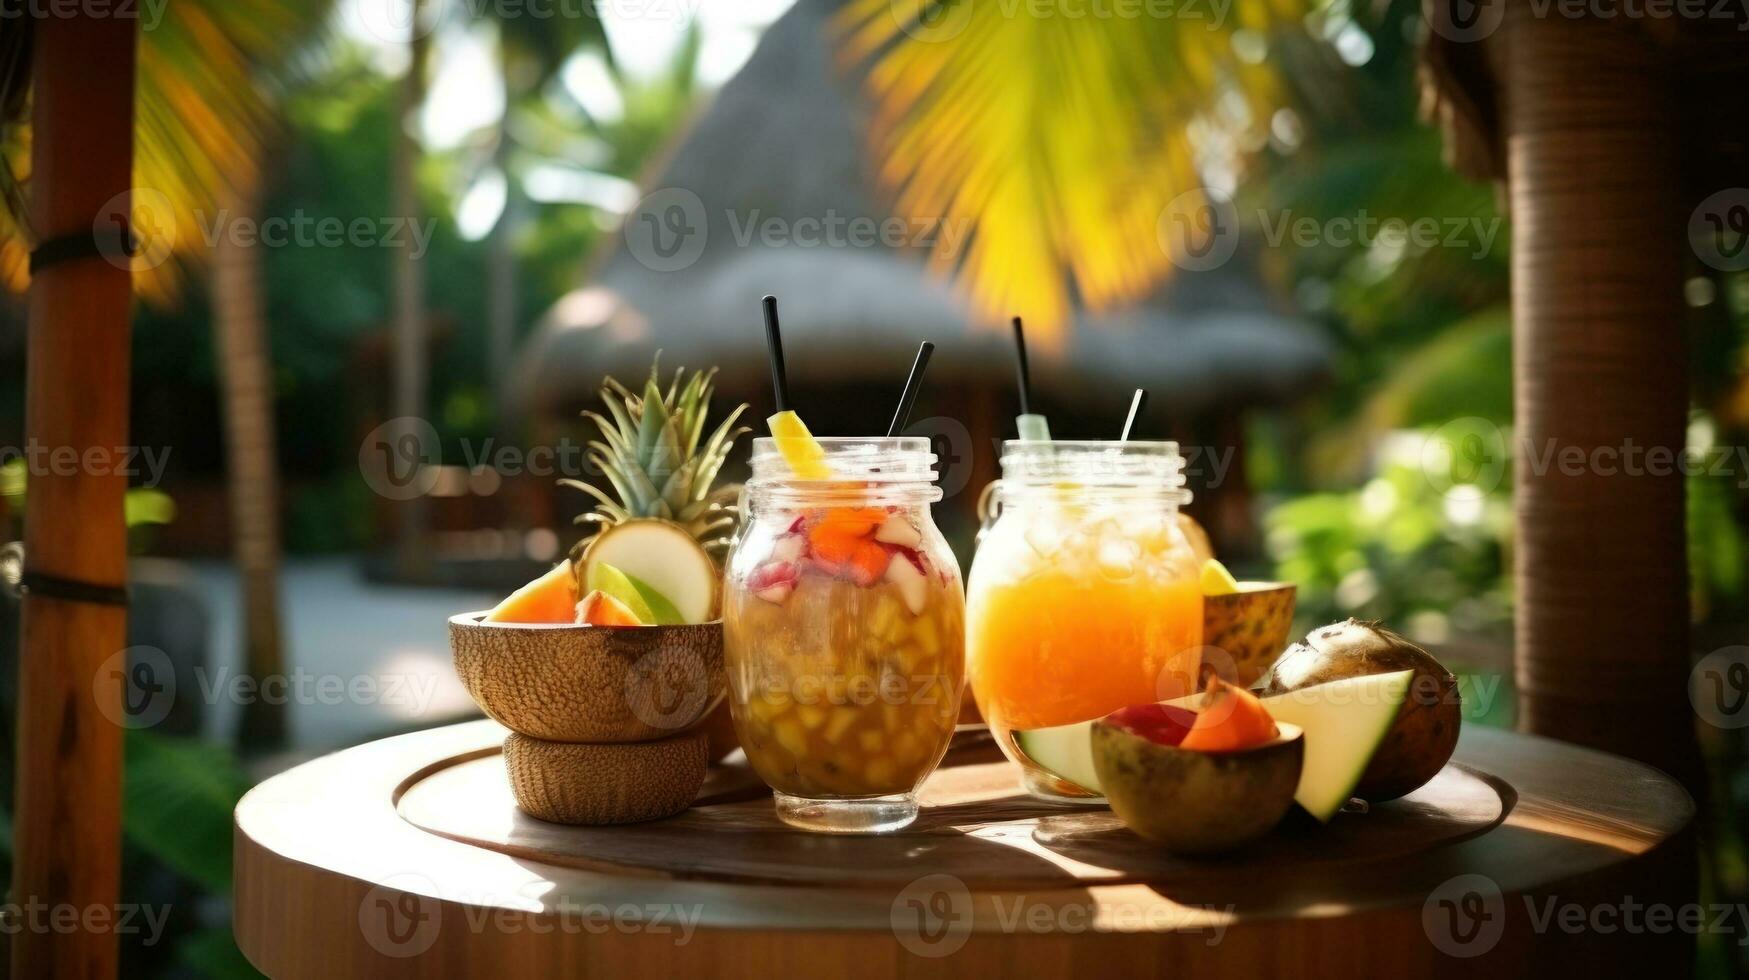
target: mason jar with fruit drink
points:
(843, 618)
(1084, 596)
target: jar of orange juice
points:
(1084, 595)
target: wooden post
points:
(1599, 371)
(67, 839)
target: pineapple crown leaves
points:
(656, 455)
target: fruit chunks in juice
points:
(845, 673)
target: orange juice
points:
(1083, 599)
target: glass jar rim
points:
(882, 460)
(1104, 463)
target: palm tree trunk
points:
(67, 837)
(411, 357)
(246, 385)
(501, 272)
(1599, 365)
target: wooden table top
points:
(405, 857)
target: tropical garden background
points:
(523, 141)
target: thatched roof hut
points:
(784, 141)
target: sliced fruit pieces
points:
(1162, 724)
(660, 606)
(1192, 802)
(906, 572)
(773, 581)
(613, 583)
(662, 556)
(1345, 722)
(804, 454)
(552, 598)
(1231, 720)
(1065, 750)
(1216, 580)
(1249, 628)
(600, 609)
(898, 530)
(1426, 730)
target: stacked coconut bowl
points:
(605, 722)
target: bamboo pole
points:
(1599, 364)
(67, 840)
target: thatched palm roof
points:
(784, 139)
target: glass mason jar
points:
(844, 633)
(1085, 596)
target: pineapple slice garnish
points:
(804, 454)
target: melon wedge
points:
(552, 598)
(659, 556)
(1065, 750)
(1345, 722)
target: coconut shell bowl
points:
(606, 719)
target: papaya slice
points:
(1231, 719)
(552, 598)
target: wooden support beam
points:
(67, 836)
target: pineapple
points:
(663, 526)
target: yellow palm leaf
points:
(1057, 141)
(199, 119)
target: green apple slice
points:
(1065, 750)
(664, 611)
(619, 585)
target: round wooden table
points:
(406, 858)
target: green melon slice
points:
(1065, 750)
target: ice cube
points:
(1118, 557)
(1045, 537)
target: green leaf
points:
(178, 795)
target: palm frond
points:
(200, 119)
(1049, 146)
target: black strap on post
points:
(114, 243)
(71, 590)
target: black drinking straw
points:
(1136, 403)
(912, 383)
(774, 349)
(1025, 375)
